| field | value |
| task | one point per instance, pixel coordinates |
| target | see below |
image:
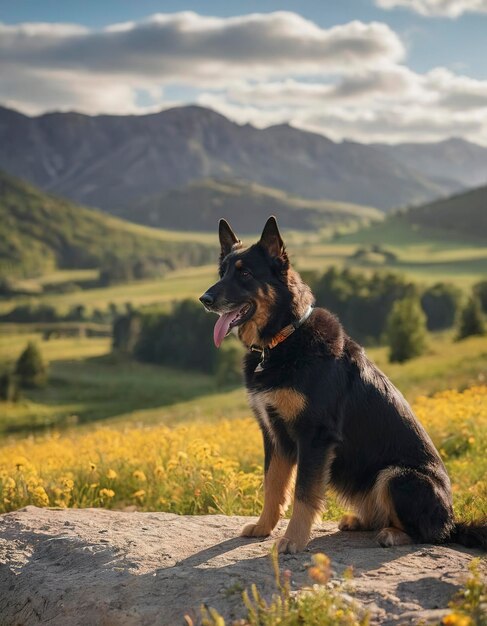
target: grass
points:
(177, 285)
(319, 604)
(209, 467)
(322, 603)
(125, 417)
(88, 384)
(421, 254)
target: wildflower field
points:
(214, 467)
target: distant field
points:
(186, 283)
(422, 257)
(87, 384)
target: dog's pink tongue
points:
(221, 327)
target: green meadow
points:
(89, 384)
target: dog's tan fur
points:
(277, 493)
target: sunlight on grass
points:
(200, 467)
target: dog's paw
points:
(393, 537)
(255, 530)
(286, 545)
(350, 522)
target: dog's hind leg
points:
(351, 522)
(277, 490)
(422, 506)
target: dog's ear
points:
(228, 239)
(271, 238)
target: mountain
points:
(39, 232)
(107, 161)
(455, 159)
(199, 205)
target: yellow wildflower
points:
(106, 493)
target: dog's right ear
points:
(228, 239)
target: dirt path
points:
(94, 567)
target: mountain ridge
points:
(105, 160)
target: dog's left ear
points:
(228, 239)
(271, 238)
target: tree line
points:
(382, 308)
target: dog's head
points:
(258, 292)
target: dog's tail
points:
(470, 534)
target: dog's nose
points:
(207, 299)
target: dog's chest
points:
(283, 404)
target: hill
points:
(199, 205)
(106, 161)
(461, 214)
(453, 221)
(40, 233)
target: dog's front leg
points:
(314, 459)
(277, 484)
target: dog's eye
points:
(245, 274)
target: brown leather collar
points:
(278, 338)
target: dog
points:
(329, 417)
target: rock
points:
(94, 567)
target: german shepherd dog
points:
(328, 415)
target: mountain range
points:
(111, 161)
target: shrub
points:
(471, 319)
(406, 330)
(30, 367)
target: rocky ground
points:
(94, 567)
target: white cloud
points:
(441, 8)
(346, 81)
(66, 66)
(198, 47)
(391, 105)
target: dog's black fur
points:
(324, 408)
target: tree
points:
(480, 290)
(406, 330)
(471, 319)
(30, 367)
(229, 369)
(441, 303)
(9, 390)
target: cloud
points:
(439, 8)
(348, 81)
(391, 105)
(388, 83)
(66, 66)
(191, 45)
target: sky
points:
(363, 70)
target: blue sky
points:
(439, 67)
